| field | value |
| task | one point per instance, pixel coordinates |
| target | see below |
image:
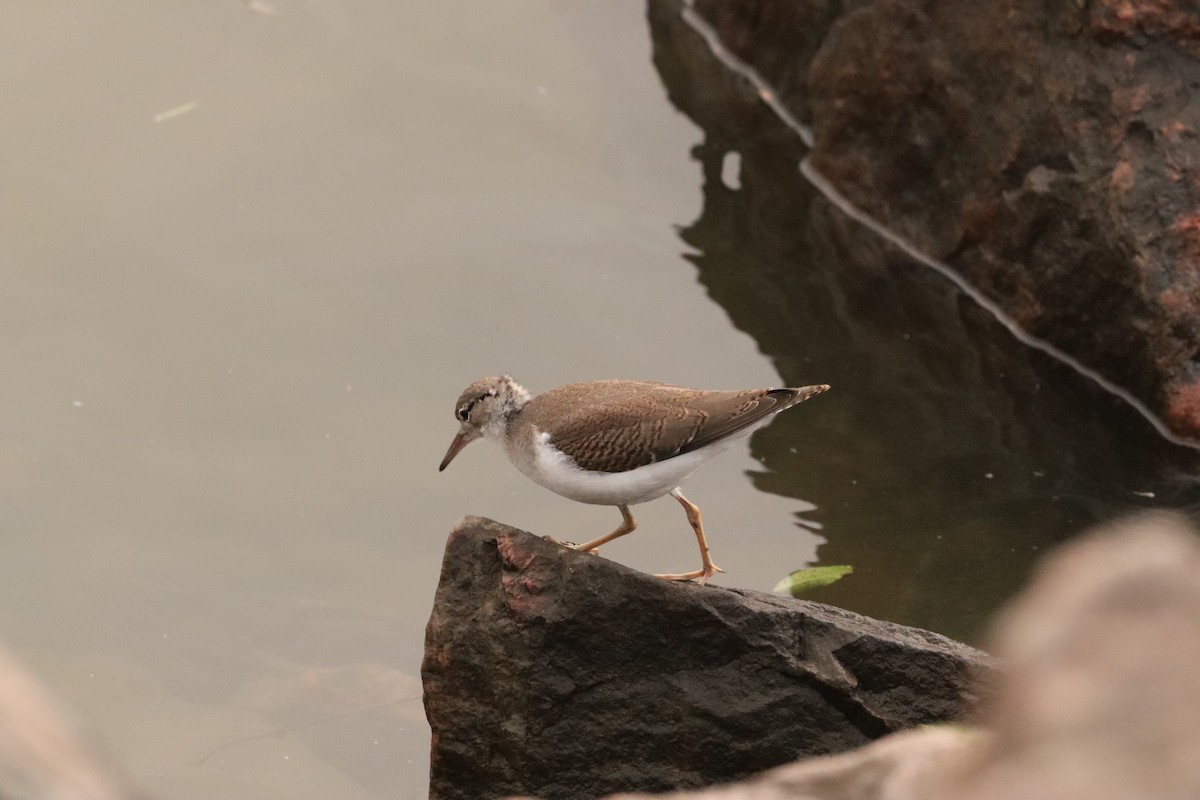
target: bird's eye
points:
(463, 413)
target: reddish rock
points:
(1047, 151)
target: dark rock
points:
(564, 675)
(1048, 151)
(909, 765)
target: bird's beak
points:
(460, 441)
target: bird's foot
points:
(571, 545)
(700, 576)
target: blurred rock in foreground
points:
(41, 756)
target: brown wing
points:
(614, 426)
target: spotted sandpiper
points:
(616, 442)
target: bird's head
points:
(483, 410)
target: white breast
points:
(553, 469)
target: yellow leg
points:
(628, 525)
(708, 568)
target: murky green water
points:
(254, 251)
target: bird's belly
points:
(558, 473)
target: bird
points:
(617, 442)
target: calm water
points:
(253, 252)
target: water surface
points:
(250, 261)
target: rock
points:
(909, 765)
(42, 754)
(1099, 696)
(1047, 151)
(566, 675)
(1101, 691)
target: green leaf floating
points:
(803, 580)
